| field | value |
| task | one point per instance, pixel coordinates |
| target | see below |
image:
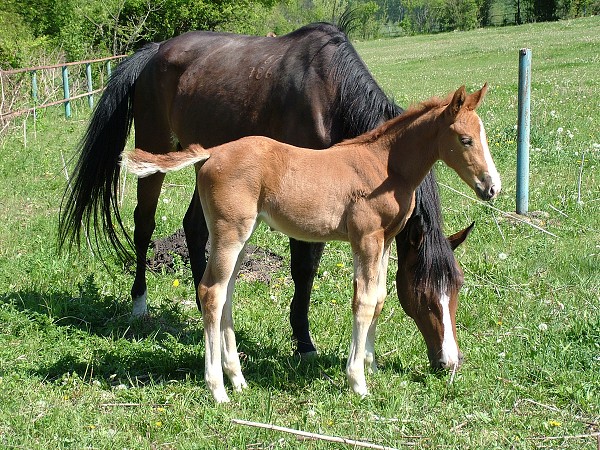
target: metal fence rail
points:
(66, 88)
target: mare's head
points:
(464, 144)
(431, 304)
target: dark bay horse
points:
(308, 88)
(361, 191)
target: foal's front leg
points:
(367, 264)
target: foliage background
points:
(95, 28)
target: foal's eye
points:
(466, 140)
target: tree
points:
(544, 10)
(460, 15)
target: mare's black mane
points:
(436, 269)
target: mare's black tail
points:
(90, 199)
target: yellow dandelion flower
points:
(554, 423)
(175, 282)
(158, 424)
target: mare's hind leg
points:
(305, 259)
(148, 190)
(196, 236)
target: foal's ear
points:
(475, 99)
(457, 102)
(416, 231)
(458, 238)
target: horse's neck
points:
(413, 149)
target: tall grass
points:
(75, 373)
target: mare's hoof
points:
(140, 307)
(308, 356)
(304, 347)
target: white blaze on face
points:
(449, 355)
(488, 158)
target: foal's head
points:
(431, 306)
(465, 146)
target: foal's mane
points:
(407, 116)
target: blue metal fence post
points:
(523, 131)
(34, 91)
(88, 75)
(65, 74)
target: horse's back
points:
(212, 87)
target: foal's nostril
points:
(492, 192)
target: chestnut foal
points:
(361, 190)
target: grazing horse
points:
(361, 190)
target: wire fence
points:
(25, 91)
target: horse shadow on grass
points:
(92, 336)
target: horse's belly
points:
(306, 227)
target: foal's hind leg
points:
(215, 297)
(381, 294)
(148, 190)
(305, 259)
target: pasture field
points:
(76, 373)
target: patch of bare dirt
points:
(259, 264)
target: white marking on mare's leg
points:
(140, 306)
(449, 357)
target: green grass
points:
(75, 373)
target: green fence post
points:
(67, 96)
(523, 131)
(88, 75)
(34, 91)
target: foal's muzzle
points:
(487, 188)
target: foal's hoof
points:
(239, 383)
(220, 396)
(362, 391)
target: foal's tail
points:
(143, 164)
(90, 199)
